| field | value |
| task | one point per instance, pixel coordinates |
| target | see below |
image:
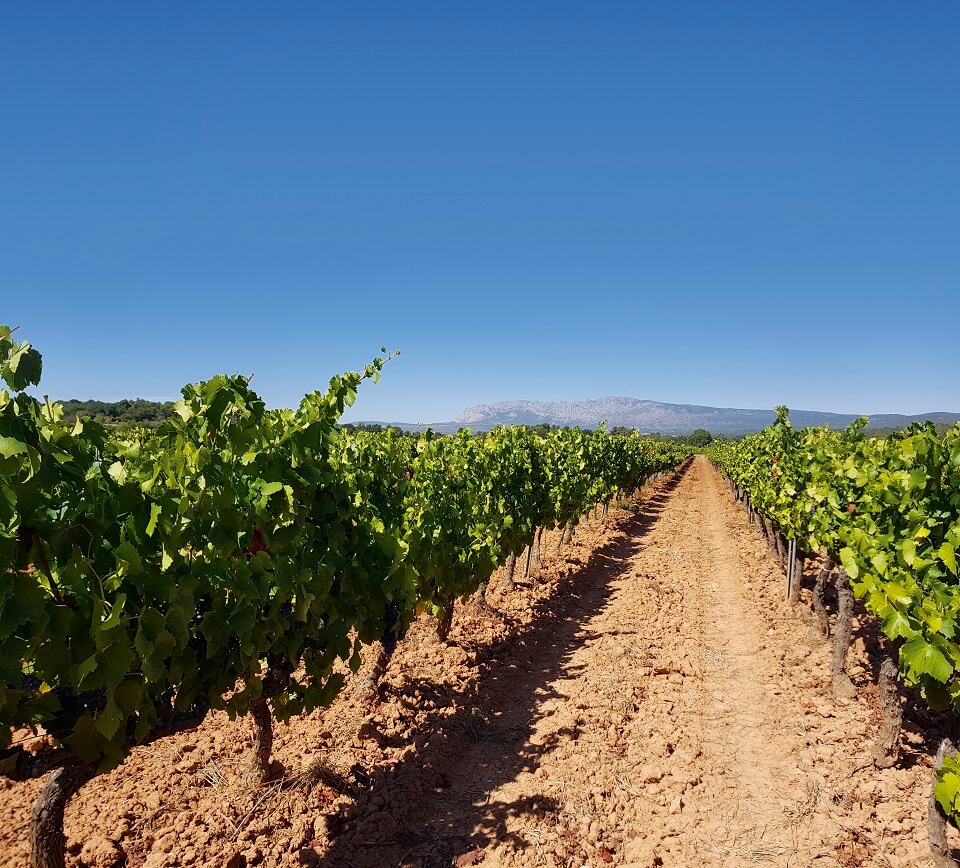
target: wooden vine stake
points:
(886, 750)
(936, 821)
(842, 685)
(796, 565)
(791, 548)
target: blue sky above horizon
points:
(739, 204)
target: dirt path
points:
(671, 716)
(647, 701)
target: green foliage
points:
(888, 510)
(946, 789)
(128, 412)
(237, 552)
(20, 364)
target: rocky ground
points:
(647, 699)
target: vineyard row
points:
(886, 511)
(230, 558)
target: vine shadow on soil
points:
(499, 707)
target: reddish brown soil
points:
(648, 700)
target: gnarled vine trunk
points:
(771, 542)
(538, 551)
(780, 547)
(367, 688)
(511, 566)
(47, 841)
(480, 596)
(886, 750)
(262, 740)
(842, 685)
(446, 622)
(821, 631)
(936, 821)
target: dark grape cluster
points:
(201, 607)
(390, 638)
(69, 703)
(93, 700)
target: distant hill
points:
(130, 411)
(657, 417)
(652, 417)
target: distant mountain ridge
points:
(658, 417)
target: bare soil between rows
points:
(648, 699)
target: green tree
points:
(700, 437)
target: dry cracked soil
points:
(645, 698)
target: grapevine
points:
(228, 559)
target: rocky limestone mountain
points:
(654, 416)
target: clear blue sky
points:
(725, 203)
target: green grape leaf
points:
(849, 562)
(84, 741)
(948, 555)
(115, 662)
(109, 720)
(10, 447)
(908, 550)
(935, 693)
(128, 560)
(922, 658)
(154, 515)
(23, 368)
(216, 631)
(946, 789)
(896, 624)
(113, 619)
(86, 669)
